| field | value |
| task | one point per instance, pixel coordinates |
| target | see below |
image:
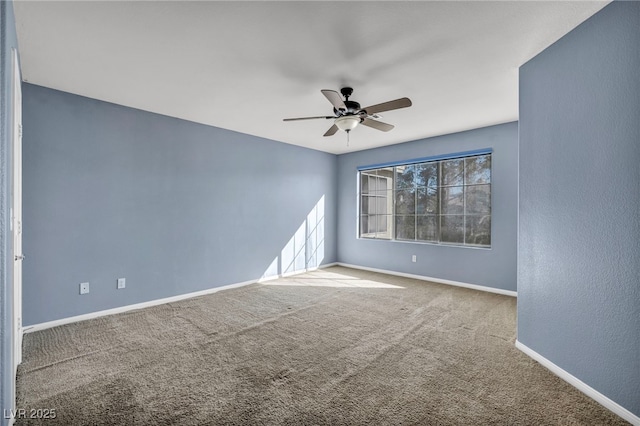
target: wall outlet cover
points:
(84, 288)
(121, 283)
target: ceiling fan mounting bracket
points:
(346, 92)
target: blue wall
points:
(495, 267)
(172, 206)
(7, 42)
(578, 254)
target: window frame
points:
(389, 208)
(426, 186)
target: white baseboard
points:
(127, 308)
(581, 386)
(435, 280)
(118, 310)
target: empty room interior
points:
(320, 213)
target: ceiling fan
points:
(348, 114)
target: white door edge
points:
(16, 217)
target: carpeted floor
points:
(332, 347)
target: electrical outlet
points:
(121, 283)
(84, 288)
(414, 259)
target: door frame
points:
(16, 216)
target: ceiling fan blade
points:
(308, 118)
(378, 125)
(334, 98)
(388, 106)
(332, 131)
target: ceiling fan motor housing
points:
(352, 108)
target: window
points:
(376, 204)
(444, 201)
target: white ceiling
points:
(245, 66)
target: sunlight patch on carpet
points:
(345, 281)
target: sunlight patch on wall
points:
(305, 248)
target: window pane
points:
(383, 204)
(364, 226)
(375, 180)
(452, 229)
(383, 226)
(373, 224)
(364, 204)
(373, 204)
(405, 176)
(452, 201)
(427, 201)
(364, 183)
(406, 201)
(452, 172)
(385, 179)
(373, 183)
(478, 230)
(405, 227)
(478, 199)
(427, 229)
(382, 184)
(478, 169)
(427, 174)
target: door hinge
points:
(20, 131)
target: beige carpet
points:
(331, 347)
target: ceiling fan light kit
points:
(347, 122)
(348, 114)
